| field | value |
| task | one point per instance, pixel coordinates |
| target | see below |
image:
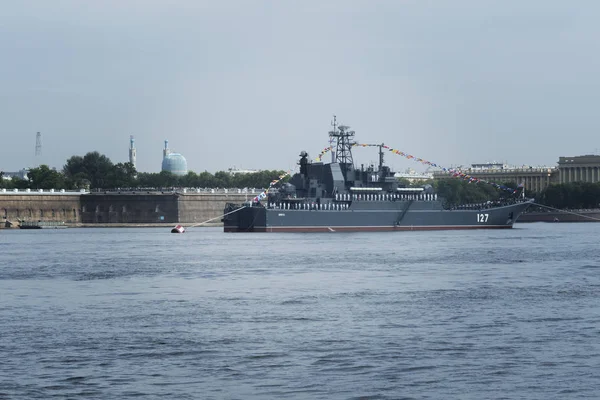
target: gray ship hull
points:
(373, 216)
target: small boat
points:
(178, 229)
(42, 225)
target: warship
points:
(338, 197)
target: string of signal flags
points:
(452, 171)
(264, 193)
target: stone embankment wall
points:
(115, 208)
(580, 216)
(39, 207)
(152, 208)
(196, 208)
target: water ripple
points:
(140, 313)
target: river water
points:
(142, 313)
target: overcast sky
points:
(252, 83)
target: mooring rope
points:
(567, 212)
(221, 216)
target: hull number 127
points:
(482, 217)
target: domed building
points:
(174, 163)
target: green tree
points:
(574, 195)
(18, 183)
(121, 175)
(403, 182)
(223, 179)
(167, 179)
(43, 177)
(163, 179)
(206, 179)
(458, 191)
(147, 179)
(93, 167)
(261, 179)
(189, 180)
(73, 166)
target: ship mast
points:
(343, 154)
(334, 124)
(343, 137)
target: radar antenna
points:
(343, 154)
(343, 137)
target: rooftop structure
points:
(234, 171)
(533, 179)
(584, 168)
(22, 174)
(412, 176)
(489, 165)
(579, 169)
(174, 163)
